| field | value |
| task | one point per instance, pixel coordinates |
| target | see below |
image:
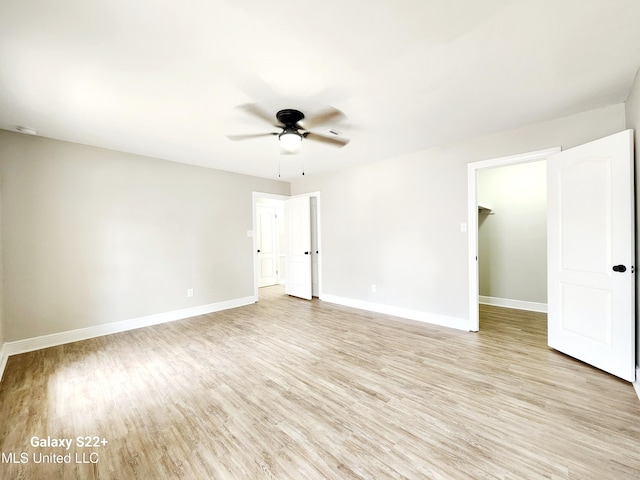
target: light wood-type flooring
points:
(291, 389)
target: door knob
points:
(306, 253)
(258, 251)
(619, 268)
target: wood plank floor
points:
(290, 389)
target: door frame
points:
(472, 197)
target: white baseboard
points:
(517, 304)
(4, 356)
(420, 316)
(46, 341)
(636, 384)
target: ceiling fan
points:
(294, 126)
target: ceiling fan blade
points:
(335, 141)
(249, 135)
(329, 115)
(258, 111)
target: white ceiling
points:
(163, 77)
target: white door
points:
(591, 269)
(297, 213)
(267, 245)
(315, 252)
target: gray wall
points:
(2, 335)
(396, 223)
(512, 241)
(92, 236)
(633, 121)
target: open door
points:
(315, 252)
(591, 261)
(297, 212)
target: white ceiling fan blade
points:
(258, 111)
(335, 141)
(250, 135)
(328, 115)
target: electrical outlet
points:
(374, 289)
(190, 292)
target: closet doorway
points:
(590, 251)
(478, 213)
(512, 236)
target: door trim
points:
(472, 218)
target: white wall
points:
(396, 223)
(93, 236)
(633, 121)
(512, 241)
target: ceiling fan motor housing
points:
(289, 116)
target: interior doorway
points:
(269, 241)
(474, 215)
(273, 236)
(590, 251)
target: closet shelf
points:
(484, 210)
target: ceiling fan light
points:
(290, 140)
